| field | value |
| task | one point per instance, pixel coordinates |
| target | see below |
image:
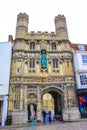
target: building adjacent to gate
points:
(80, 67)
(42, 75)
(5, 66)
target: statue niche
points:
(43, 59)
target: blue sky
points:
(41, 17)
(5, 62)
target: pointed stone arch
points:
(58, 96)
(52, 88)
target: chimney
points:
(10, 38)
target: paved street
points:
(65, 126)
(81, 125)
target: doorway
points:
(52, 101)
(31, 109)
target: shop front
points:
(82, 101)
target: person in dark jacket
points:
(44, 116)
(50, 117)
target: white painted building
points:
(80, 68)
(5, 66)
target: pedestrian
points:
(34, 113)
(50, 117)
(56, 115)
(44, 116)
(32, 120)
(53, 118)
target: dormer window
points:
(32, 46)
(81, 47)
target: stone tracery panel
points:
(31, 98)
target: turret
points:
(22, 25)
(61, 27)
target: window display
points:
(83, 104)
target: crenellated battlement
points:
(42, 33)
(60, 17)
(60, 28)
(22, 15)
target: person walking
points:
(50, 117)
(44, 116)
(32, 120)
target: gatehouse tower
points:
(42, 74)
(61, 27)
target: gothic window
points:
(55, 63)
(83, 79)
(84, 59)
(32, 63)
(53, 46)
(32, 46)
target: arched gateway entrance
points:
(52, 102)
(52, 99)
(55, 103)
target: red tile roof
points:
(76, 46)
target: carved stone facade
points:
(29, 82)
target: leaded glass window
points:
(84, 59)
(55, 63)
(32, 46)
(53, 46)
(83, 79)
(32, 63)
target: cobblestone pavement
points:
(80, 125)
